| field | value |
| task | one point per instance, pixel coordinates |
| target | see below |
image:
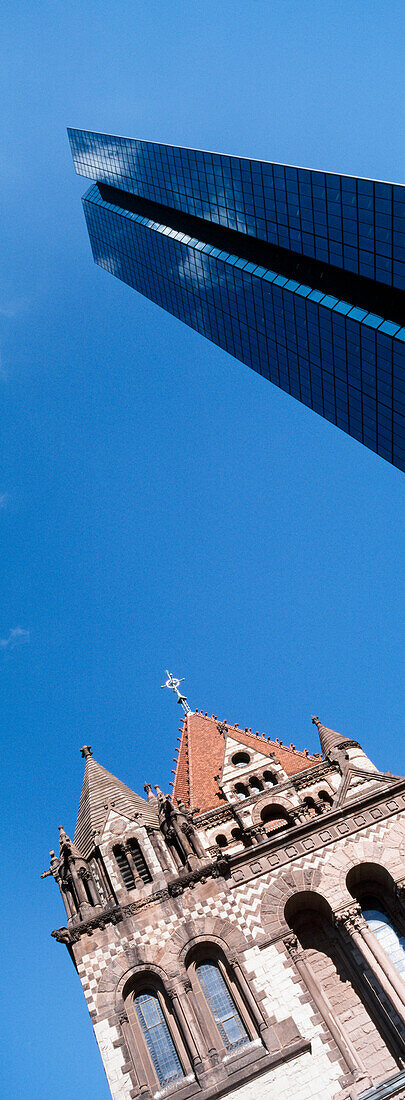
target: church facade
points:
(244, 937)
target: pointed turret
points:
(346, 751)
(331, 740)
(101, 790)
(149, 793)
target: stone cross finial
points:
(86, 751)
(173, 685)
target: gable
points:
(202, 754)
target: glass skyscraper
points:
(299, 274)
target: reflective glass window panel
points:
(158, 1038)
(222, 1006)
(387, 936)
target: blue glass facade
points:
(344, 360)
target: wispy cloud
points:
(17, 636)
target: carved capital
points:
(187, 986)
(351, 919)
(293, 946)
(123, 1018)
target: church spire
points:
(100, 791)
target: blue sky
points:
(161, 506)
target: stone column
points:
(104, 880)
(131, 862)
(78, 885)
(357, 930)
(170, 837)
(85, 909)
(382, 958)
(140, 1075)
(255, 1013)
(92, 888)
(67, 899)
(178, 995)
(342, 1040)
(160, 850)
(195, 841)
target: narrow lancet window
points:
(157, 1036)
(230, 1026)
(139, 861)
(125, 869)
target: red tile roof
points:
(201, 755)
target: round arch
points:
(370, 877)
(306, 901)
(277, 801)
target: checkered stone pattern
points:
(113, 1057)
(250, 914)
(294, 1081)
(273, 974)
(91, 970)
(242, 906)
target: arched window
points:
(221, 840)
(124, 867)
(255, 785)
(336, 985)
(222, 1006)
(310, 806)
(139, 861)
(241, 791)
(240, 758)
(385, 932)
(269, 779)
(325, 798)
(274, 818)
(159, 1042)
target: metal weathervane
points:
(173, 685)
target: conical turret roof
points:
(100, 790)
(331, 739)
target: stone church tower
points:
(246, 936)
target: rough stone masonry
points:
(244, 937)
